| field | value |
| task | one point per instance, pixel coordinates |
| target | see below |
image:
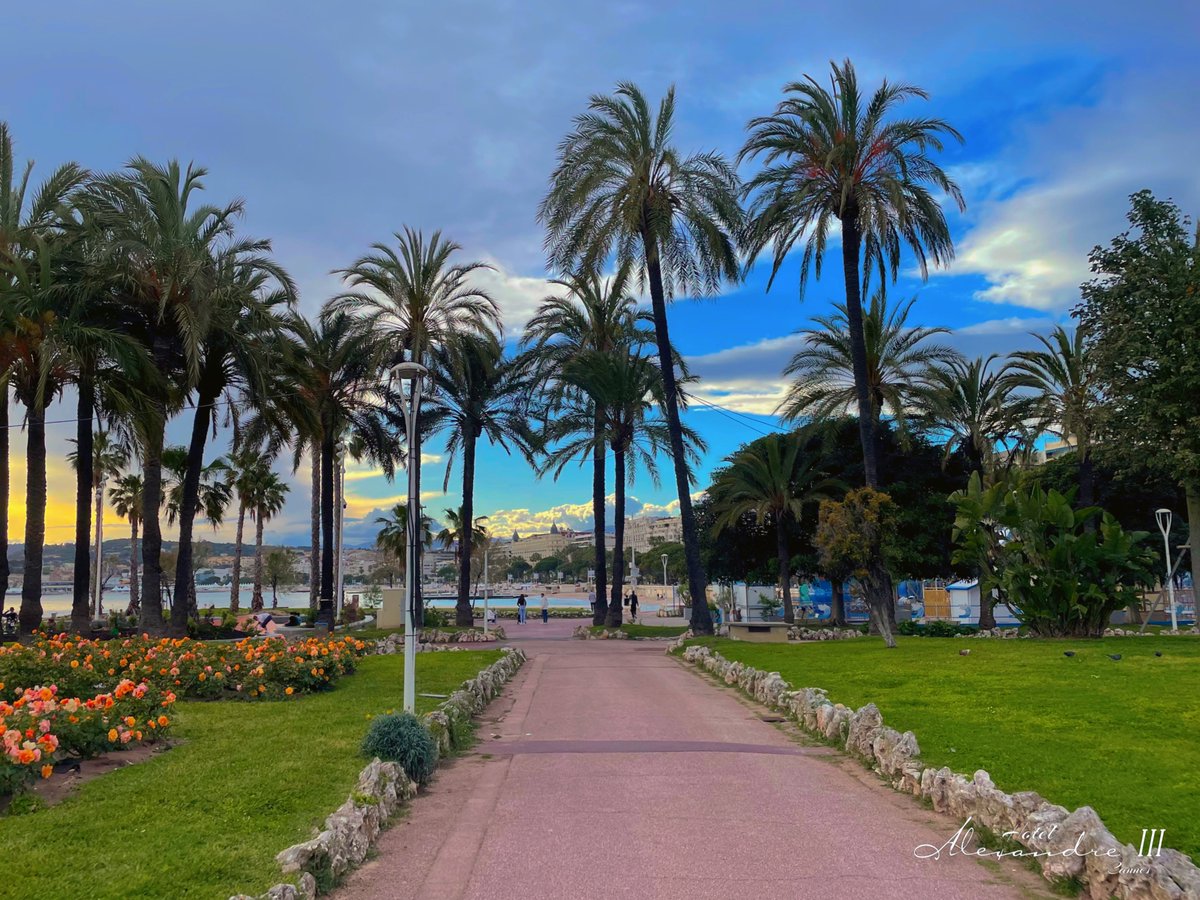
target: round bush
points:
(404, 740)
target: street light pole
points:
(98, 601)
(410, 407)
(1164, 517)
(485, 591)
(339, 595)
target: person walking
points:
(521, 610)
(633, 605)
(592, 601)
(545, 609)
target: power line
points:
(744, 421)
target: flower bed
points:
(41, 727)
(252, 668)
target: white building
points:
(643, 533)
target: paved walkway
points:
(609, 770)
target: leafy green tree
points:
(773, 478)
(832, 154)
(519, 569)
(1142, 313)
(126, 497)
(1066, 399)
(621, 188)
(279, 569)
(901, 362)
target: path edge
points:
(382, 790)
(1025, 817)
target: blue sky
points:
(338, 123)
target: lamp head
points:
(1164, 517)
(408, 371)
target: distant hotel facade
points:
(641, 534)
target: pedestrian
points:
(545, 609)
(521, 610)
(633, 604)
(592, 601)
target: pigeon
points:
(1068, 653)
(1114, 656)
(964, 652)
(1158, 653)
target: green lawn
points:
(206, 818)
(1122, 737)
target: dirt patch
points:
(70, 774)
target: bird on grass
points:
(1158, 653)
(1114, 656)
(1068, 653)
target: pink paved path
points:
(619, 773)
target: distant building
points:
(643, 533)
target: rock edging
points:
(1043, 827)
(382, 789)
(585, 633)
(394, 643)
(803, 633)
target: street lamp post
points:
(410, 407)
(98, 602)
(485, 591)
(1164, 517)
(339, 595)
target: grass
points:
(647, 631)
(206, 818)
(1120, 737)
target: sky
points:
(340, 123)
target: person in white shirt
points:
(545, 609)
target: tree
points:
(621, 187)
(595, 315)
(246, 472)
(266, 500)
(109, 457)
(901, 363)
(126, 498)
(1142, 313)
(827, 155)
(857, 536)
(451, 536)
(279, 568)
(1065, 399)
(973, 406)
(518, 569)
(477, 394)
(773, 478)
(392, 537)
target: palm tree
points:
(774, 478)
(109, 457)
(266, 500)
(126, 498)
(1065, 395)
(392, 537)
(478, 394)
(413, 300)
(246, 472)
(900, 365)
(621, 187)
(595, 315)
(160, 255)
(828, 156)
(974, 407)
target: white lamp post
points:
(339, 594)
(1164, 517)
(485, 591)
(410, 407)
(98, 602)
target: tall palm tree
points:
(160, 256)
(392, 537)
(452, 535)
(126, 497)
(774, 478)
(267, 499)
(900, 364)
(622, 188)
(413, 299)
(1066, 397)
(594, 315)
(478, 394)
(832, 154)
(24, 217)
(245, 472)
(109, 458)
(973, 406)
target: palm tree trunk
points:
(256, 601)
(235, 589)
(98, 606)
(134, 603)
(327, 461)
(851, 247)
(151, 618)
(785, 565)
(598, 501)
(987, 616)
(314, 556)
(419, 519)
(188, 502)
(35, 520)
(81, 608)
(614, 604)
(464, 615)
(837, 601)
(697, 583)
(4, 480)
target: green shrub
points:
(436, 618)
(404, 740)
(909, 628)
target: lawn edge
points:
(381, 792)
(1069, 846)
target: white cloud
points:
(518, 296)
(746, 378)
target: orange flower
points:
(164, 721)
(202, 676)
(47, 771)
(112, 735)
(289, 691)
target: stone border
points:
(394, 643)
(585, 633)
(1043, 827)
(382, 789)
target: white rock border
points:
(382, 789)
(895, 756)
